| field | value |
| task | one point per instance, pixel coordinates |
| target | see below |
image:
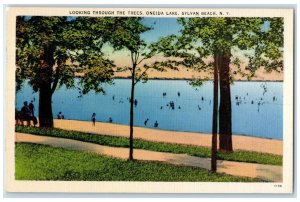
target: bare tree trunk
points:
(131, 115)
(225, 127)
(215, 116)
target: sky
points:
(161, 27)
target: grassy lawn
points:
(242, 156)
(39, 162)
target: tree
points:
(129, 38)
(49, 50)
(212, 45)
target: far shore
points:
(188, 74)
(189, 79)
(263, 145)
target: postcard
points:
(149, 100)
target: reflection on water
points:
(174, 105)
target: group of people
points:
(165, 94)
(155, 124)
(135, 102)
(171, 105)
(93, 119)
(26, 115)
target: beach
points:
(247, 143)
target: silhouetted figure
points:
(161, 107)
(110, 120)
(202, 98)
(199, 107)
(178, 94)
(155, 124)
(135, 102)
(31, 107)
(35, 121)
(26, 113)
(60, 116)
(172, 105)
(113, 97)
(252, 102)
(146, 121)
(274, 98)
(258, 105)
(94, 119)
(32, 117)
(179, 107)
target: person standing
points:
(94, 118)
(26, 114)
(31, 107)
(146, 121)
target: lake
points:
(257, 108)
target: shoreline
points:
(189, 79)
(240, 142)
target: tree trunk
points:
(45, 106)
(45, 91)
(225, 131)
(131, 115)
(215, 116)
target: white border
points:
(154, 187)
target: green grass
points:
(39, 162)
(241, 156)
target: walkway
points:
(264, 172)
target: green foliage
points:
(243, 156)
(38, 162)
(52, 49)
(39, 48)
(202, 38)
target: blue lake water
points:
(263, 118)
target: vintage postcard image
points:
(149, 100)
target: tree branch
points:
(141, 76)
(56, 78)
(140, 61)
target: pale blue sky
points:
(161, 27)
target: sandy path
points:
(239, 142)
(264, 172)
